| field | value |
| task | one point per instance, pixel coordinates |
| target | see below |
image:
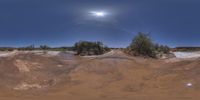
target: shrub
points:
(30, 47)
(7, 49)
(44, 47)
(142, 45)
(90, 48)
(162, 48)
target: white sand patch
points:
(16, 52)
(112, 52)
(7, 53)
(25, 86)
(195, 54)
(22, 66)
(37, 52)
(53, 53)
(42, 52)
(48, 53)
(181, 56)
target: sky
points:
(64, 22)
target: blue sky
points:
(64, 22)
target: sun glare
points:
(98, 13)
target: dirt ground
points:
(112, 76)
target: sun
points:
(98, 13)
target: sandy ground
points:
(112, 76)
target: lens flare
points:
(98, 13)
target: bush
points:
(142, 45)
(7, 49)
(164, 49)
(31, 47)
(44, 47)
(90, 48)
